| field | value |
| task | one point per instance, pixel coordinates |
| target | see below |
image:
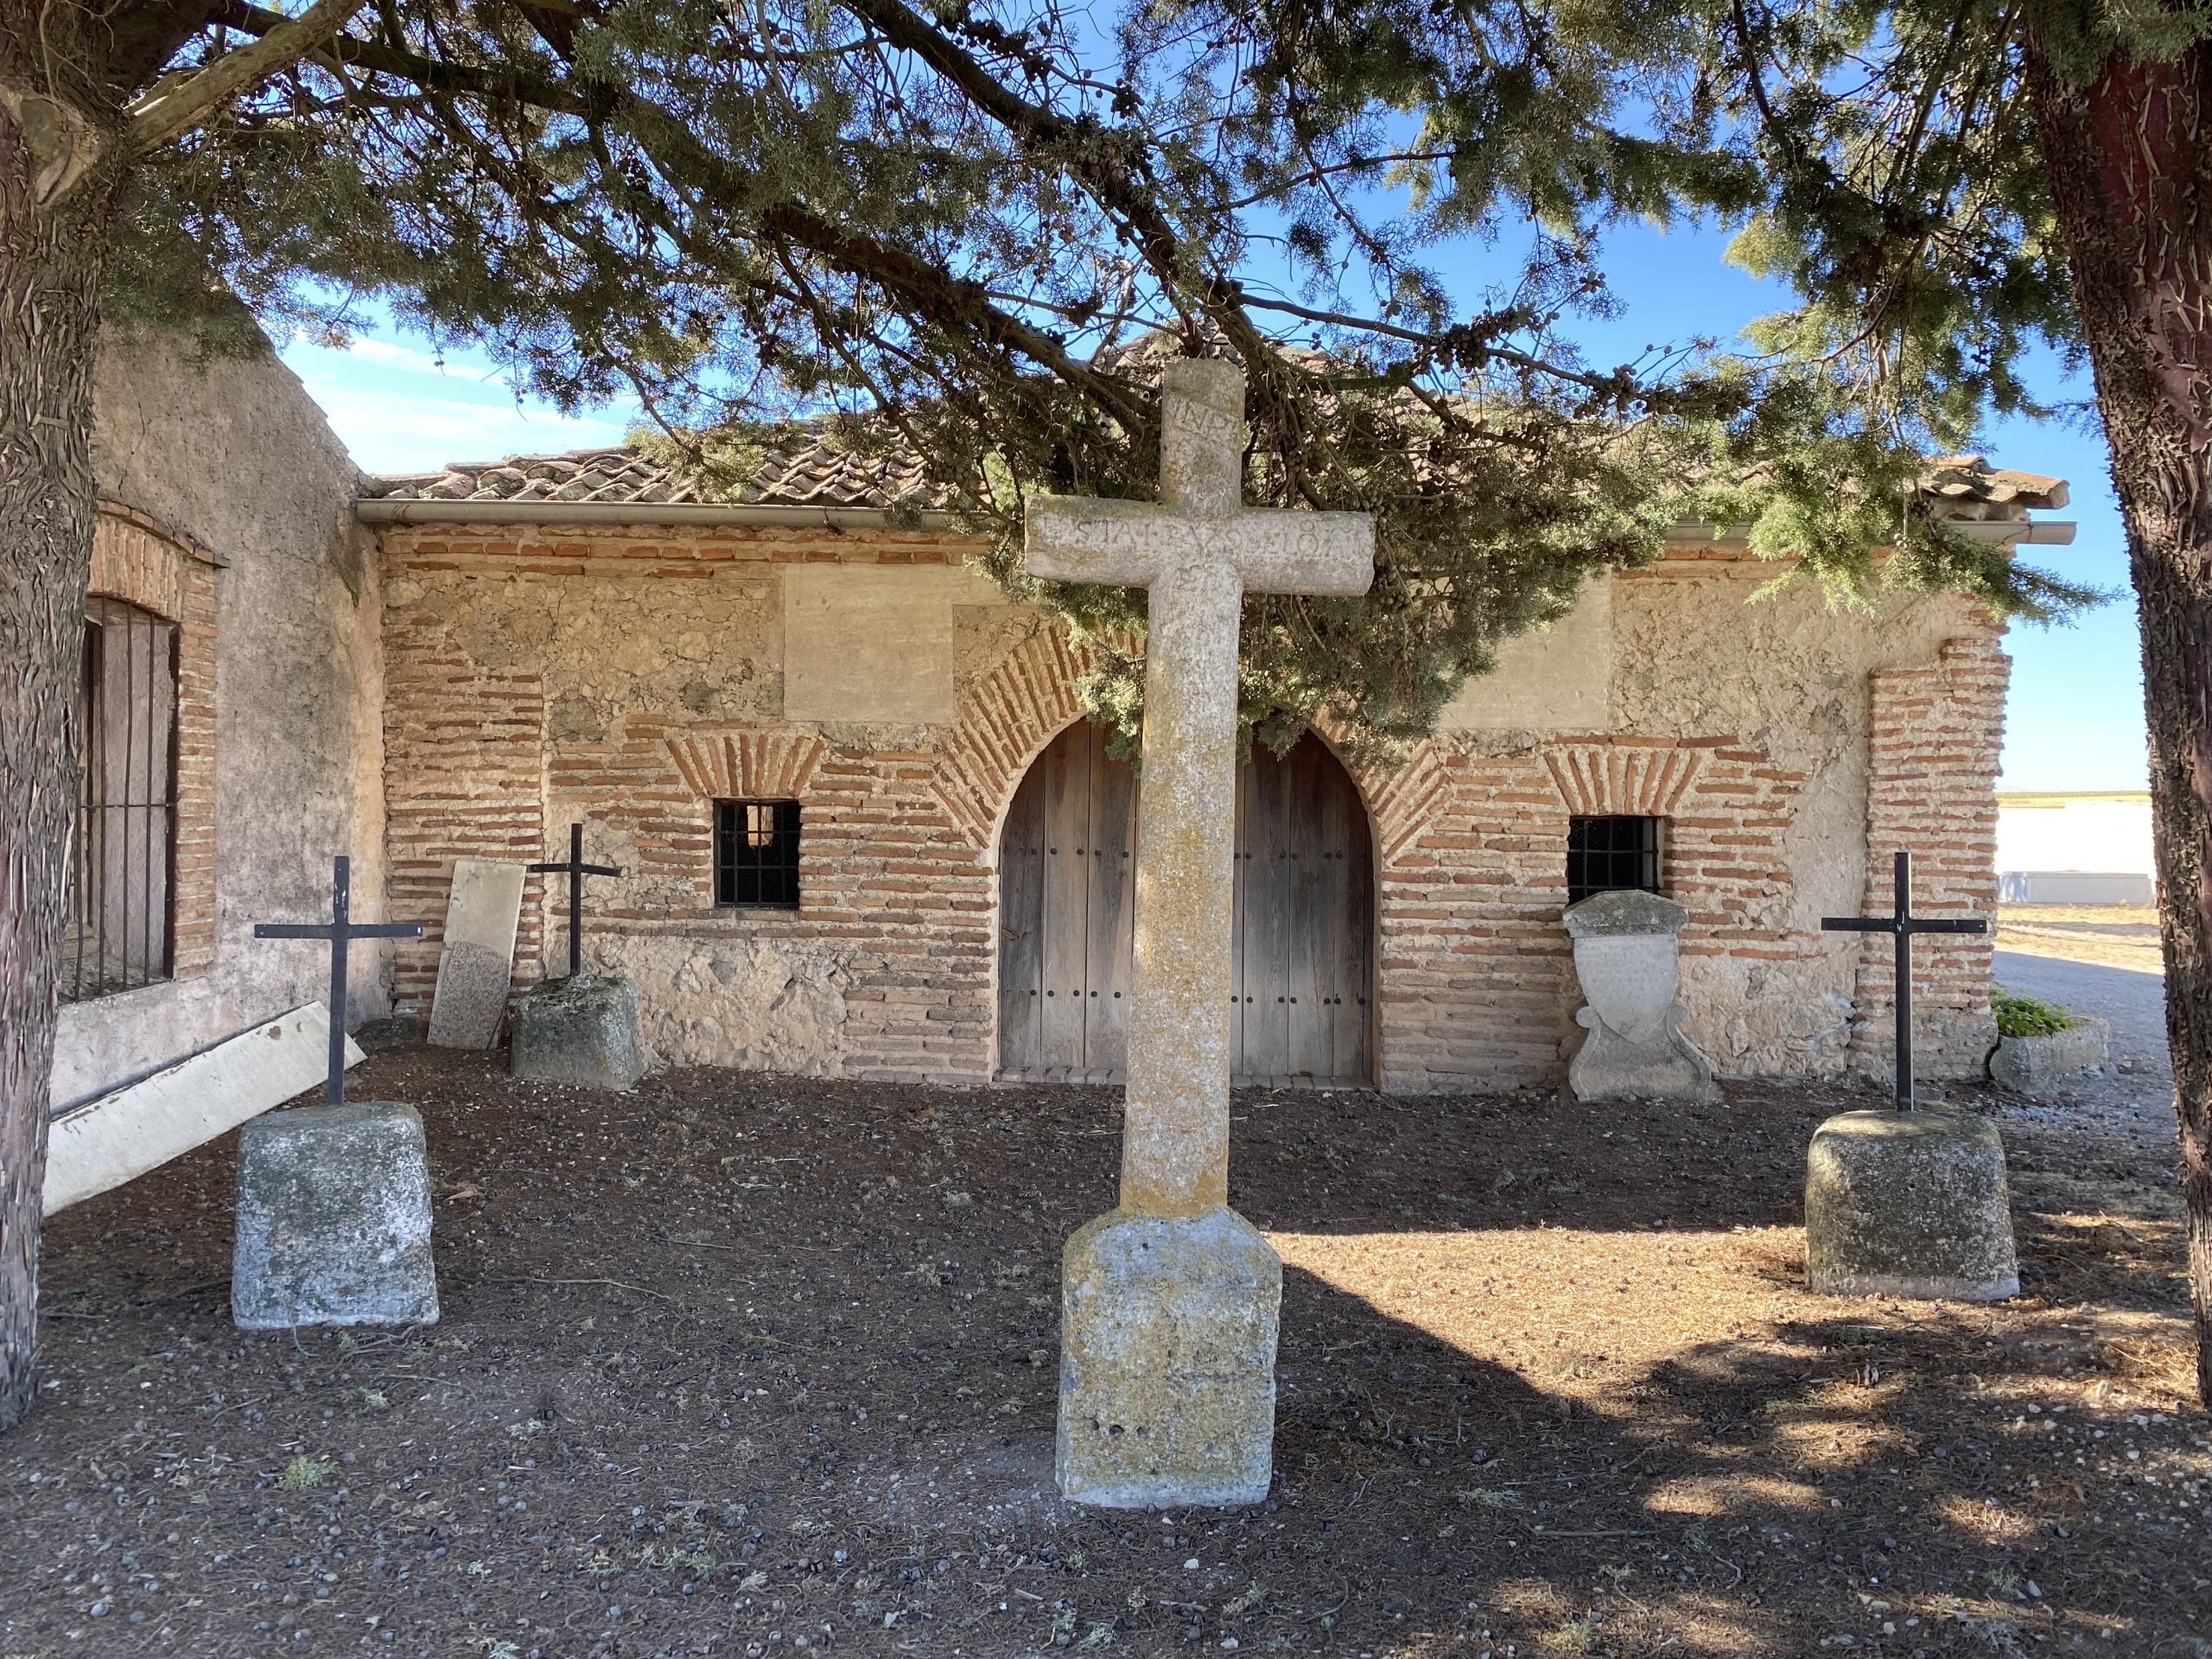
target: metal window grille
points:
(116, 936)
(1606, 854)
(756, 854)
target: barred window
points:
(1606, 854)
(756, 854)
(116, 931)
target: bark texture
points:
(49, 287)
(2130, 158)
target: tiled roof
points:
(1969, 487)
(806, 470)
(803, 470)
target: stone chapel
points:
(864, 829)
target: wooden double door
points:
(1303, 955)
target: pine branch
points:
(179, 103)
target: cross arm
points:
(1090, 538)
(1857, 924)
(291, 930)
(1279, 551)
(599, 870)
(1949, 924)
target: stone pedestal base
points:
(1908, 1203)
(1168, 1361)
(582, 1030)
(333, 1222)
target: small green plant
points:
(304, 1472)
(1575, 1636)
(2025, 1016)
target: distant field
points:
(2119, 936)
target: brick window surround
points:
(136, 560)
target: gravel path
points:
(2134, 1003)
(2132, 1096)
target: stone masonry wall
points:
(627, 682)
(226, 496)
(629, 679)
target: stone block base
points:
(1168, 1361)
(2031, 1065)
(333, 1221)
(1908, 1203)
(582, 1030)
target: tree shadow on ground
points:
(739, 1358)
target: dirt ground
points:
(748, 1364)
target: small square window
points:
(1611, 854)
(756, 854)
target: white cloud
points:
(385, 354)
(395, 431)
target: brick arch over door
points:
(1303, 952)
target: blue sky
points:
(2075, 716)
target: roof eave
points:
(719, 515)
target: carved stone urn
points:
(1627, 956)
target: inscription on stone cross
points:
(1169, 1301)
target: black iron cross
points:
(577, 870)
(339, 929)
(1902, 926)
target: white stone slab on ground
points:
(122, 1135)
(476, 963)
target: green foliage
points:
(304, 1472)
(972, 231)
(2024, 1016)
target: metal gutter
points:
(378, 510)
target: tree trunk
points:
(49, 288)
(2128, 155)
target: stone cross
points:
(1902, 924)
(1197, 554)
(339, 929)
(576, 869)
(1170, 1302)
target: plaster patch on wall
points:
(756, 1005)
(1695, 653)
(1554, 679)
(864, 643)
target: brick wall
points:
(1932, 752)
(895, 929)
(1477, 973)
(533, 682)
(135, 560)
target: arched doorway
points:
(1304, 930)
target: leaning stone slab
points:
(1908, 1203)
(2033, 1066)
(1167, 1391)
(1627, 959)
(476, 963)
(581, 1030)
(122, 1134)
(334, 1220)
